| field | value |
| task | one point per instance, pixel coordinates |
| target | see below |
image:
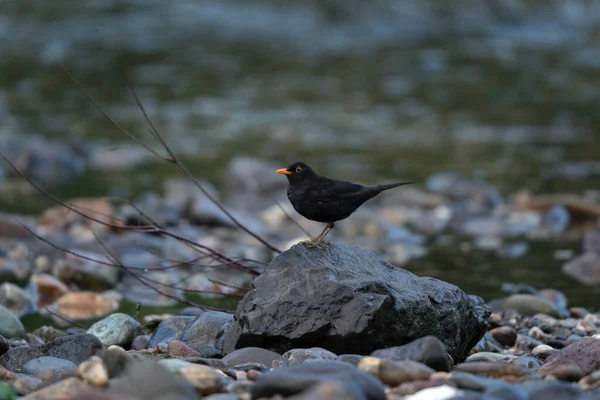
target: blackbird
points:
(326, 200)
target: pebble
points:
(584, 353)
(49, 289)
(529, 305)
(82, 306)
(45, 364)
(505, 335)
(492, 369)
(298, 356)
(116, 329)
(427, 350)
(16, 299)
(543, 351)
(93, 371)
(394, 373)
(205, 379)
(65, 389)
(252, 354)
(10, 324)
(176, 348)
(89, 273)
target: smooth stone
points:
(465, 380)
(93, 371)
(86, 274)
(49, 289)
(117, 329)
(508, 392)
(174, 364)
(296, 379)
(394, 373)
(584, 268)
(439, 392)
(16, 299)
(177, 348)
(206, 333)
(529, 362)
(543, 351)
(487, 344)
(252, 354)
(352, 359)
(554, 390)
(83, 306)
(491, 357)
(240, 386)
(251, 366)
(205, 379)
(298, 356)
(568, 372)
(555, 297)
(74, 348)
(529, 305)
(12, 270)
(48, 333)
(373, 303)
(26, 384)
(505, 335)
(584, 353)
(54, 364)
(222, 396)
(491, 369)
(140, 342)
(169, 329)
(10, 324)
(428, 350)
(330, 391)
(148, 379)
(65, 389)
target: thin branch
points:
(173, 159)
(109, 118)
(65, 319)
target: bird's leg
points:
(318, 241)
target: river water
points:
(505, 91)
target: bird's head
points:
(297, 172)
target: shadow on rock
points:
(348, 300)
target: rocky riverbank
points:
(339, 323)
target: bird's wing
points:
(329, 190)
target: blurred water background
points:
(502, 91)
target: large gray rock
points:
(348, 300)
(74, 348)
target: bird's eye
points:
(298, 169)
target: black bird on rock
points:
(326, 200)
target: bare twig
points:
(64, 319)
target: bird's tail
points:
(381, 188)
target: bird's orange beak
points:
(283, 171)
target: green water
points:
(504, 100)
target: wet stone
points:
(428, 350)
(252, 354)
(116, 329)
(529, 305)
(298, 356)
(10, 325)
(296, 379)
(505, 335)
(43, 364)
(171, 328)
